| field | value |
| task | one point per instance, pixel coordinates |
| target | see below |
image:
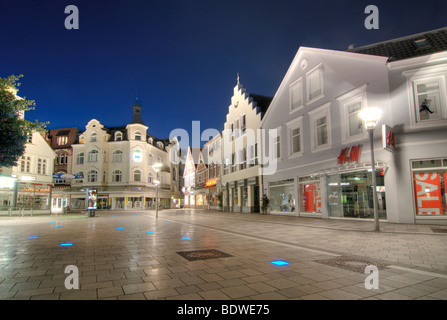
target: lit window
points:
(62, 140)
(137, 155)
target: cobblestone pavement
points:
(135, 256)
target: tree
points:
(14, 129)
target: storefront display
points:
(350, 195)
(282, 197)
(430, 184)
(310, 195)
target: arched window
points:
(137, 135)
(93, 137)
(80, 158)
(151, 159)
(118, 136)
(93, 156)
(93, 176)
(117, 176)
(117, 156)
(137, 155)
(137, 175)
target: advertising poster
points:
(427, 189)
(92, 199)
(309, 203)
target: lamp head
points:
(370, 117)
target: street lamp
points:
(371, 116)
(157, 168)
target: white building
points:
(241, 184)
(118, 162)
(322, 149)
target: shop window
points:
(430, 185)
(350, 194)
(282, 196)
(310, 195)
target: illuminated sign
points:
(27, 178)
(349, 154)
(211, 182)
(427, 190)
(92, 199)
(388, 138)
(6, 183)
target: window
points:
(93, 137)
(320, 128)
(243, 158)
(79, 180)
(117, 176)
(253, 155)
(321, 125)
(138, 135)
(117, 156)
(314, 84)
(351, 104)
(61, 140)
(295, 136)
(93, 156)
(282, 195)
(93, 176)
(81, 139)
(25, 164)
(61, 158)
(243, 124)
(118, 136)
(429, 99)
(277, 144)
(296, 94)
(233, 162)
(41, 166)
(137, 176)
(80, 158)
(137, 155)
(150, 178)
(151, 159)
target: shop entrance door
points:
(102, 203)
(256, 198)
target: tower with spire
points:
(136, 118)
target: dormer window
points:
(160, 144)
(421, 43)
(138, 135)
(62, 140)
(150, 140)
(118, 136)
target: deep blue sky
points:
(181, 56)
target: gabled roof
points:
(408, 47)
(70, 133)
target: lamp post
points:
(157, 168)
(371, 116)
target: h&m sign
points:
(388, 138)
(350, 154)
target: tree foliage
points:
(14, 129)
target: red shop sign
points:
(349, 154)
(427, 190)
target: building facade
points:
(213, 183)
(241, 182)
(118, 162)
(322, 152)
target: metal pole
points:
(156, 198)
(376, 215)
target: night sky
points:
(181, 57)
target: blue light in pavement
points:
(57, 227)
(185, 238)
(150, 231)
(280, 262)
(66, 244)
(166, 222)
(134, 213)
(120, 228)
(114, 217)
(123, 219)
(33, 237)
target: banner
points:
(427, 190)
